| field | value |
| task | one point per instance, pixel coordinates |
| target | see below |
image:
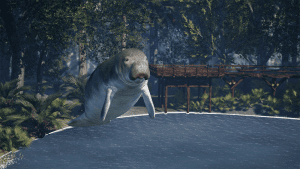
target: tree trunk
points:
(153, 42)
(4, 65)
(296, 32)
(285, 43)
(82, 60)
(124, 34)
(221, 22)
(39, 72)
(21, 76)
(285, 54)
(13, 38)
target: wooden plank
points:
(191, 71)
(201, 71)
(168, 71)
(179, 71)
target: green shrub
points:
(199, 106)
(75, 87)
(244, 101)
(224, 103)
(291, 99)
(11, 139)
(39, 114)
(272, 104)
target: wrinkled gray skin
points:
(114, 87)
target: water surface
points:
(170, 141)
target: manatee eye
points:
(126, 59)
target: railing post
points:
(159, 86)
(188, 99)
(166, 99)
(210, 95)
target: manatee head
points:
(133, 67)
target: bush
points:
(12, 138)
(199, 106)
(291, 100)
(40, 114)
(181, 101)
(224, 103)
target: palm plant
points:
(10, 100)
(10, 93)
(75, 88)
(39, 114)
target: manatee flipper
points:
(109, 95)
(148, 101)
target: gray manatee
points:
(114, 87)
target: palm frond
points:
(49, 100)
(56, 123)
(17, 119)
(16, 91)
(31, 99)
(7, 89)
(75, 87)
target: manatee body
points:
(114, 87)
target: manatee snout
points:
(140, 70)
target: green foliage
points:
(11, 139)
(7, 111)
(199, 106)
(291, 99)
(258, 94)
(39, 114)
(272, 104)
(224, 103)
(59, 109)
(10, 99)
(51, 21)
(222, 27)
(9, 92)
(110, 22)
(75, 87)
(245, 101)
(180, 100)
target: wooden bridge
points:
(201, 75)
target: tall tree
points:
(111, 28)
(49, 25)
(288, 27)
(5, 55)
(263, 30)
(217, 29)
(12, 31)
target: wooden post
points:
(198, 94)
(210, 95)
(204, 93)
(166, 99)
(158, 97)
(163, 96)
(274, 87)
(188, 99)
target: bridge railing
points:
(219, 70)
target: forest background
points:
(49, 48)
